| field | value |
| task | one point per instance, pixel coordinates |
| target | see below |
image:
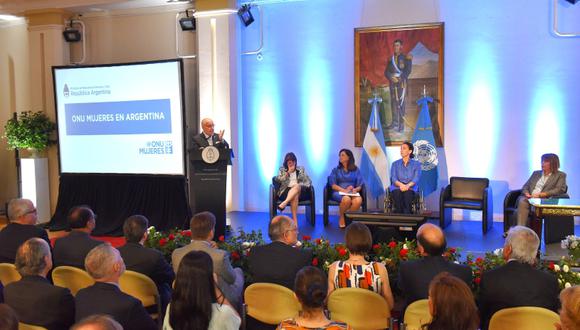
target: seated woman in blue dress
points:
(346, 179)
(405, 175)
(291, 178)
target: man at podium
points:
(208, 137)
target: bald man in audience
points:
(33, 297)
(415, 275)
(97, 322)
(105, 265)
(279, 261)
(22, 216)
(72, 249)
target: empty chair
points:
(8, 274)
(417, 314)
(469, 194)
(359, 308)
(72, 278)
(270, 303)
(143, 288)
(523, 318)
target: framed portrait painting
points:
(394, 67)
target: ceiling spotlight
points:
(187, 23)
(246, 15)
(71, 34)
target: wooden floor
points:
(464, 234)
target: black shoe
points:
(281, 208)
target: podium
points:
(208, 183)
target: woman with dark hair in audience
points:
(451, 304)
(405, 175)
(346, 182)
(291, 178)
(570, 311)
(356, 271)
(196, 302)
(8, 318)
(310, 288)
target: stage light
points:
(71, 34)
(187, 23)
(246, 15)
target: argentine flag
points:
(374, 157)
(425, 149)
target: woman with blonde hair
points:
(570, 311)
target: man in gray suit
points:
(230, 280)
(549, 182)
(208, 137)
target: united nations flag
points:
(425, 149)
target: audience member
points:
(278, 262)
(72, 249)
(8, 318)
(105, 265)
(22, 217)
(415, 276)
(97, 322)
(517, 283)
(451, 304)
(196, 302)
(146, 261)
(570, 311)
(230, 280)
(356, 271)
(311, 288)
(346, 182)
(34, 298)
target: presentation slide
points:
(125, 119)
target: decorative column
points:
(219, 69)
(47, 48)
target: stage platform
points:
(464, 234)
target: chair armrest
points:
(488, 198)
(511, 198)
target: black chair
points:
(306, 199)
(469, 194)
(556, 228)
(328, 201)
(417, 205)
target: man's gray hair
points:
(30, 257)
(100, 260)
(98, 321)
(524, 243)
(18, 207)
(278, 226)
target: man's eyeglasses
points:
(30, 212)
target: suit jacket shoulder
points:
(13, 235)
(277, 263)
(38, 302)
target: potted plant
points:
(29, 131)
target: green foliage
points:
(31, 130)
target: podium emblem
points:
(210, 154)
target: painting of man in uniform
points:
(399, 65)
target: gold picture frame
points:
(399, 81)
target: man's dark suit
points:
(513, 285)
(415, 276)
(14, 235)
(200, 141)
(277, 263)
(106, 298)
(38, 302)
(151, 263)
(71, 250)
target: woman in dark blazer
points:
(546, 183)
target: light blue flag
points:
(374, 157)
(425, 149)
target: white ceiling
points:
(16, 7)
